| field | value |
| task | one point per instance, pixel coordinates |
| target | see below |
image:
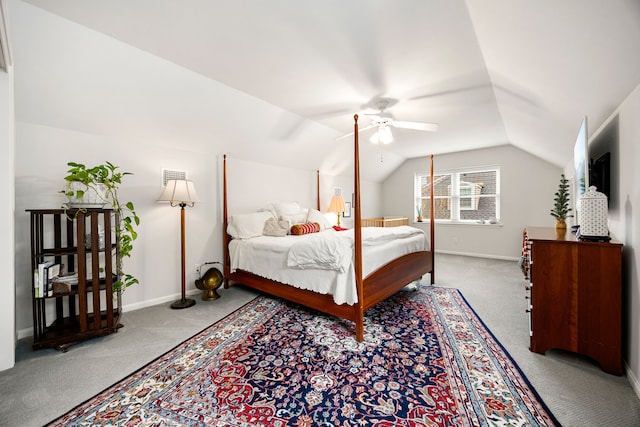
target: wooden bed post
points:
(318, 189)
(432, 234)
(225, 236)
(357, 245)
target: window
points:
(460, 196)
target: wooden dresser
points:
(575, 295)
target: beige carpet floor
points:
(47, 383)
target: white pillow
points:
(286, 208)
(246, 226)
(317, 216)
(297, 218)
(270, 208)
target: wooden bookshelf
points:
(89, 307)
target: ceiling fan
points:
(384, 121)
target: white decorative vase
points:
(593, 214)
(91, 198)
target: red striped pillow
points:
(309, 227)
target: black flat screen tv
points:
(599, 174)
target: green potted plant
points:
(99, 185)
(419, 211)
(561, 209)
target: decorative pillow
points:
(276, 228)
(246, 226)
(317, 216)
(309, 227)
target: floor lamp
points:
(180, 192)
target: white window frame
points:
(473, 196)
(455, 196)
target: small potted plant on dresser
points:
(97, 187)
(561, 209)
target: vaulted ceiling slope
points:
(487, 72)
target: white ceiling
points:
(488, 72)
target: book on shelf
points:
(51, 273)
(41, 283)
(43, 278)
(36, 281)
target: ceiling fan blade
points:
(351, 133)
(429, 127)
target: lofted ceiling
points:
(487, 72)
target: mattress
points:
(269, 257)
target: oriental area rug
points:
(427, 360)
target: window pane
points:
(486, 209)
(442, 208)
(442, 190)
(485, 179)
(460, 195)
(442, 185)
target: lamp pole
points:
(184, 302)
(180, 192)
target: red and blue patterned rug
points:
(427, 360)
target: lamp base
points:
(183, 303)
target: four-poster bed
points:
(370, 288)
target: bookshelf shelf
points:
(73, 239)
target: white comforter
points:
(334, 251)
(323, 262)
(325, 251)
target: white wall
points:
(624, 217)
(7, 313)
(527, 189)
(41, 156)
(7, 143)
(370, 197)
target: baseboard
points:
(157, 301)
(28, 332)
(23, 333)
(633, 380)
(500, 257)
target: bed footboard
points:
(395, 275)
(313, 300)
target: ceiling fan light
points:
(375, 138)
(384, 135)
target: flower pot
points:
(561, 224)
(92, 198)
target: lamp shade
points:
(337, 204)
(178, 192)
